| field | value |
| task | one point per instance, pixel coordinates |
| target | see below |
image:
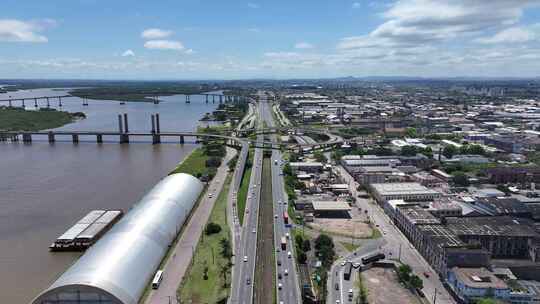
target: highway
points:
(181, 255)
(290, 290)
(246, 246)
(398, 247)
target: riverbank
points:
(19, 119)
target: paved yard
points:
(379, 281)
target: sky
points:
(236, 39)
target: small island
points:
(19, 119)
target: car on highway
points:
(275, 215)
(245, 258)
(279, 286)
(356, 265)
(337, 286)
(289, 254)
(210, 195)
(286, 272)
(279, 262)
(248, 281)
(343, 263)
(426, 274)
(279, 276)
(254, 231)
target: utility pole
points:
(399, 256)
(435, 296)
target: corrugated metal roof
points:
(91, 217)
(109, 216)
(121, 264)
(72, 232)
(92, 231)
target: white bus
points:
(157, 279)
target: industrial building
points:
(118, 268)
(402, 191)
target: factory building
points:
(119, 267)
(402, 191)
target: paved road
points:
(246, 248)
(176, 266)
(336, 272)
(290, 291)
(400, 247)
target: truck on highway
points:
(373, 257)
(347, 271)
(285, 217)
(283, 243)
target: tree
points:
(404, 272)
(460, 179)
(302, 258)
(287, 169)
(411, 132)
(212, 228)
(298, 239)
(226, 250)
(416, 282)
(449, 151)
(306, 245)
(213, 162)
(409, 150)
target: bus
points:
(373, 258)
(285, 217)
(157, 279)
(283, 243)
(347, 271)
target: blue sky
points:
(219, 39)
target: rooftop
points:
(491, 225)
(417, 215)
(331, 206)
(478, 278)
(402, 189)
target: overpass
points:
(48, 100)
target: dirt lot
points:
(355, 226)
(379, 281)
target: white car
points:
(286, 272)
(245, 258)
(343, 263)
(289, 254)
(279, 286)
(210, 195)
(254, 231)
(275, 215)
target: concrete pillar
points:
(220, 98)
(206, 98)
(23, 105)
(188, 99)
(60, 102)
(120, 128)
(126, 129)
(156, 139)
(51, 137)
(48, 103)
(124, 138)
(181, 139)
(158, 129)
(75, 138)
(153, 118)
(213, 98)
(35, 103)
(99, 138)
(10, 103)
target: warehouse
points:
(403, 191)
(118, 268)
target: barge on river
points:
(86, 231)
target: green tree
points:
(409, 150)
(302, 258)
(404, 272)
(287, 170)
(306, 245)
(416, 282)
(449, 151)
(226, 250)
(212, 228)
(411, 132)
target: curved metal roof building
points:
(118, 268)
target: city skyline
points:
(94, 39)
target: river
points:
(45, 188)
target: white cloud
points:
(303, 45)
(12, 30)
(510, 35)
(253, 5)
(189, 51)
(356, 5)
(254, 30)
(164, 45)
(155, 33)
(128, 53)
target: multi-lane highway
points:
(246, 246)
(400, 248)
(289, 292)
